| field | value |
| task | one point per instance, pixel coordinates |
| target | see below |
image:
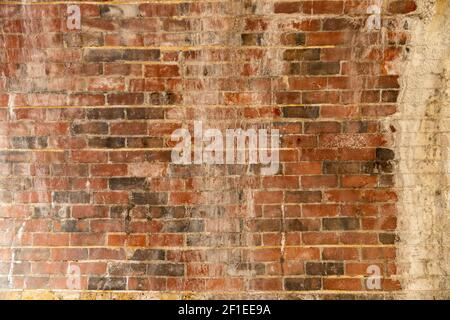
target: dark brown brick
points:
(324, 268)
(295, 39)
(302, 284)
(388, 238)
(125, 98)
(165, 270)
(385, 154)
(148, 255)
(71, 197)
(110, 283)
(287, 7)
(29, 142)
(184, 226)
(301, 112)
(402, 6)
(302, 55)
(149, 198)
(106, 113)
(145, 113)
(302, 225)
(89, 128)
(126, 183)
(303, 196)
(163, 98)
(113, 55)
(333, 167)
(252, 39)
(341, 224)
(147, 142)
(323, 68)
(109, 142)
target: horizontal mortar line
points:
(182, 48)
(206, 123)
(279, 32)
(224, 106)
(244, 277)
(212, 219)
(186, 205)
(204, 248)
(33, 150)
(149, 63)
(121, 2)
(109, 2)
(209, 219)
(273, 15)
(121, 149)
(265, 121)
(126, 2)
(199, 293)
(262, 120)
(106, 107)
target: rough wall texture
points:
(422, 152)
(92, 205)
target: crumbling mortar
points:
(422, 253)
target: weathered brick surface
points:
(86, 177)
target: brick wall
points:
(91, 203)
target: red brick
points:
(89, 156)
(266, 284)
(95, 187)
(111, 197)
(359, 181)
(342, 284)
(287, 7)
(402, 6)
(302, 254)
(311, 182)
(378, 253)
(319, 210)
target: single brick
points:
(303, 196)
(165, 270)
(126, 183)
(293, 39)
(106, 283)
(388, 238)
(301, 54)
(252, 39)
(301, 112)
(302, 224)
(324, 268)
(89, 128)
(144, 113)
(106, 114)
(148, 255)
(323, 68)
(140, 198)
(402, 6)
(385, 154)
(341, 224)
(109, 142)
(184, 226)
(113, 55)
(302, 284)
(29, 142)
